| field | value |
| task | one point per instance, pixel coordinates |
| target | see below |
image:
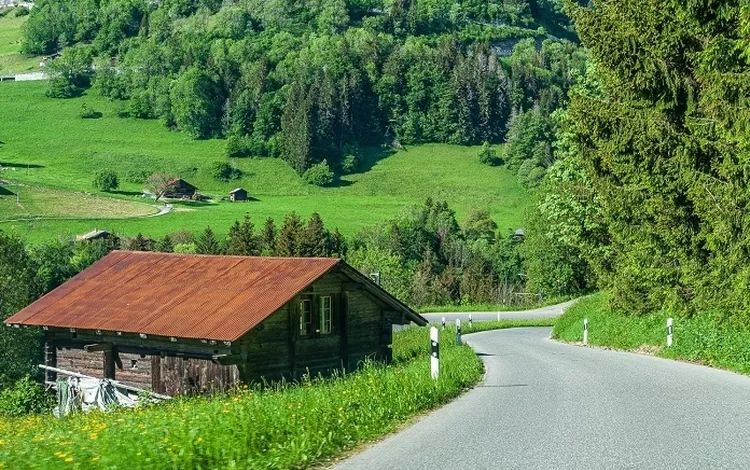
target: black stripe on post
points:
(435, 349)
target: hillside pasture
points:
(11, 59)
(46, 143)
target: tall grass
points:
(291, 426)
(702, 338)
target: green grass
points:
(11, 59)
(703, 338)
(64, 151)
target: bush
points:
(89, 113)
(488, 156)
(106, 180)
(25, 397)
(238, 147)
(186, 248)
(319, 174)
(223, 171)
(20, 11)
(350, 164)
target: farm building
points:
(179, 188)
(188, 323)
(94, 235)
(238, 194)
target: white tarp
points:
(85, 394)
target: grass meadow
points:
(46, 143)
(293, 426)
(11, 60)
(702, 338)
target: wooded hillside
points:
(313, 81)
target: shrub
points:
(186, 248)
(488, 156)
(89, 113)
(106, 180)
(319, 174)
(223, 171)
(238, 147)
(20, 11)
(23, 398)
(350, 164)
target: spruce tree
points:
(165, 245)
(207, 244)
(242, 239)
(139, 243)
(268, 238)
(315, 238)
(290, 236)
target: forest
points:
(313, 82)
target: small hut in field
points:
(237, 194)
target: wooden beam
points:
(98, 347)
(50, 358)
(109, 365)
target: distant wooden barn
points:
(189, 323)
(95, 235)
(180, 189)
(238, 194)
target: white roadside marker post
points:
(498, 316)
(443, 322)
(669, 332)
(434, 353)
(471, 324)
(585, 331)
(458, 331)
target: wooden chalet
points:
(180, 189)
(179, 323)
(237, 194)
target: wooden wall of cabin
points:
(362, 329)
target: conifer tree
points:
(242, 239)
(290, 236)
(165, 245)
(315, 239)
(268, 238)
(207, 244)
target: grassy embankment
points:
(291, 427)
(470, 308)
(703, 339)
(11, 59)
(47, 144)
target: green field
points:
(46, 143)
(11, 60)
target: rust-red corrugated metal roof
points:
(184, 296)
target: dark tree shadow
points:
(6, 192)
(127, 193)
(20, 165)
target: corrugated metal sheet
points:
(185, 296)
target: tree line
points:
(648, 194)
(311, 81)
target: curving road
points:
(551, 311)
(545, 404)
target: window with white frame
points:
(326, 315)
(305, 316)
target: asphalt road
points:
(550, 311)
(545, 404)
